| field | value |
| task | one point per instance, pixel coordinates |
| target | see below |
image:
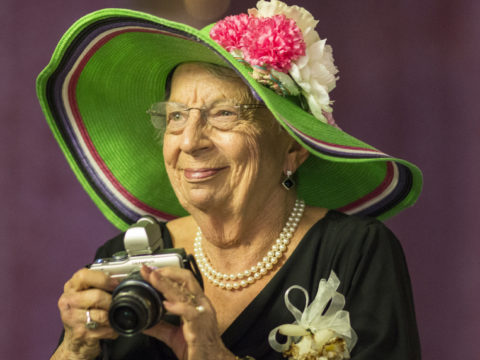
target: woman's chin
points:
(201, 198)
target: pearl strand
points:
(256, 272)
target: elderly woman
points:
(255, 179)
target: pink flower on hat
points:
(230, 31)
(273, 42)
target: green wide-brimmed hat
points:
(112, 65)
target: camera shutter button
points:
(121, 255)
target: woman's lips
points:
(199, 174)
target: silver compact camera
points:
(136, 305)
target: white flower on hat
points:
(301, 16)
(315, 72)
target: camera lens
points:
(136, 306)
(125, 318)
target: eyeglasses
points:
(220, 115)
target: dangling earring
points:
(288, 183)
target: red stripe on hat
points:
(389, 176)
(85, 136)
(340, 148)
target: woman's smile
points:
(201, 173)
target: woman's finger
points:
(181, 276)
(99, 317)
(183, 295)
(189, 311)
(86, 299)
(73, 315)
(81, 334)
(86, 279)
(176, 285)
(76, 320)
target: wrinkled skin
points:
(197, 338)
(87, 289)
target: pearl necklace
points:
(256, 272)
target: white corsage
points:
(322, 331)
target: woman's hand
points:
(86, 290)
(198, 337)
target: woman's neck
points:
(240, 238)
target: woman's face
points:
(215, 167)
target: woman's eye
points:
(175, 116)
(224, 113)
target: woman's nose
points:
(193, 135)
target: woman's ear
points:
(296, 156)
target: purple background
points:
(409, 85)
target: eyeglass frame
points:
(163, 125)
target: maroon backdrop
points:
(409, 74)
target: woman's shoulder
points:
(349, 244)
(336, 221)
(352, 233)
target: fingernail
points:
(167, 304)
(147, 269)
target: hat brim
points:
(109, 68)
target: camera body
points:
(121, 265)
(136, 305)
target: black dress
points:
(370, 264)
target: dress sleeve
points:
(379, 296)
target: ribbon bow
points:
(316, 321)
